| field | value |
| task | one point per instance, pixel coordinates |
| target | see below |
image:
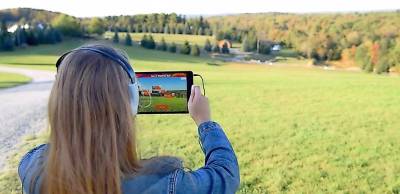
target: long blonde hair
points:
(92, 138)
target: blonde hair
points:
(92, 140)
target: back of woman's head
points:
(92, 144)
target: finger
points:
(192, 94)
(197, 94)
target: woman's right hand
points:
(199, 108)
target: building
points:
(222, 42)
(157, 91)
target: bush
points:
(208, 46)
(185, 48)
(265, 48)
(148, 42)
(162, 46)
(128, 40)
(215, 49)
(172, 48)
(116, 37)
(195, 50)
(383, 66)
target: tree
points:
(172, 48)
(96, 26)
(7, 43)
(67, 25)
(148, 42)
(215, 48)
(151, 44)
(50, 36)
(19, 36)
(6, 38)
(128, 39)
(362, 58)
(144, 40)
(195, 50)
(115, 37)
(200, 31)
(162, 45)
(383, 66)
(354, 38)
(208, 46)
(219, 36)
(31, 38)
(265, 48)
(249, 43)
(185, 48)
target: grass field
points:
(169, 38)
(12, 79)
(294, 130)
(172, 104)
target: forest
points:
(368, 40)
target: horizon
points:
(195, 8)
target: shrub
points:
(128, 40)
(195, 50)
(162, 45)
(172, 48)
(185, 48)
(208, 46)
(215, 49)
(116, 37)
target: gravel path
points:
(23, 109)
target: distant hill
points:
(23, 15)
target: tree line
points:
(148, 42)
(371, 40)
(23, 36)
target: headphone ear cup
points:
(134, 97)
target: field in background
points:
(169, 38)
(294, 129)
(12, 79)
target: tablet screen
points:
(164, 92)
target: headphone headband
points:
(120, 59)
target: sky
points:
(88, 8)
(168, 83)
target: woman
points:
(92, 147)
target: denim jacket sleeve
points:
(29, 166)
(220, 174)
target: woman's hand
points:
(199, 108)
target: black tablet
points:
(164, 92)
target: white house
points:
(276, 48)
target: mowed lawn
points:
(294, 129)
(12, 79)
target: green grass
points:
(294, 130)
(172, 104)
(12, 79)
(169, 38)
(9, 180)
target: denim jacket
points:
(165, 175)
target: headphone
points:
(122, 61)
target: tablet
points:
(164, 92)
